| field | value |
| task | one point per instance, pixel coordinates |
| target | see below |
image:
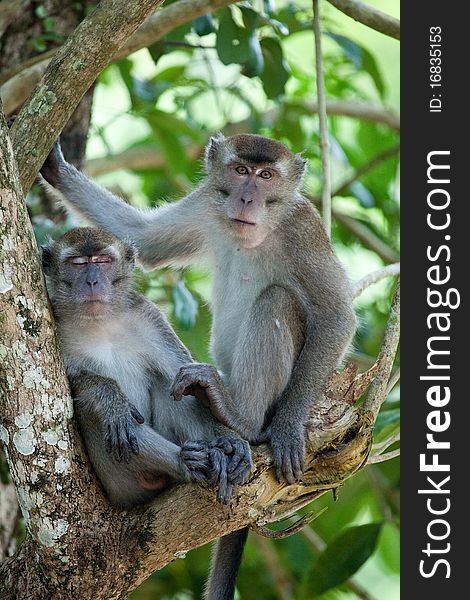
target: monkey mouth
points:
(94, 306)
(242, 222)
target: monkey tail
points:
(226, 560)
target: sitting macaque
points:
(121, 356)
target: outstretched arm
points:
(172, 234)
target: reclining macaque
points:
(121, 356)
(282, 303)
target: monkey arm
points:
(171, 234)
(109, 421)
(100, 400)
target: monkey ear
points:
(130, 253)
(300, 166)
(46, 257)
(212, 149)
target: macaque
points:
(121, 357)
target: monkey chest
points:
(236, 288)
(121, 362)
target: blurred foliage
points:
(250, 67)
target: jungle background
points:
(250, 67)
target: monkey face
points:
(256, 181)
(86, 269)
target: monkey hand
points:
(204, 383)
(121, 432)
(223, 463)
(196, 459)
(288, 445)
(231, 464)
(50, 170)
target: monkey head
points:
(88, 272)
(255, 180)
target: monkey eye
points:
(78, 260)
(264, 174)
(241, 170)
(102, 258)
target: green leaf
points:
(185, 306)
(178, 34)
(232, 41)
(387, 421)
(343, 557)
(353, 51)
(250, 18)
(369, 64)
(255, 64)
(361, 59)
(276, 70)
(204, 25)
(40, 12)
(281, 28)
(157, 50)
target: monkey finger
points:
(136, 414)
(225, 444)
(134, 444)
(224, 487)
(296, 462)
(240, 452)
(240, 476)
(225, 492)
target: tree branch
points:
(9, 513)
(68, 76)
(365, 168)
(377, 393)
(359, 110)
(324, 142)
(371, 278)
(370, 16)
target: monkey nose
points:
(92, 282)
(246, 200)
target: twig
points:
(293, 529)
(359, 110)
(367, 237)
(380, 448)
(365, 168)
(367, 15)
(371, 278)
(378, 458)
(324, 143)
(378, 389)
